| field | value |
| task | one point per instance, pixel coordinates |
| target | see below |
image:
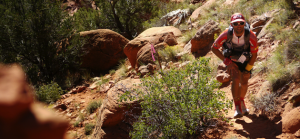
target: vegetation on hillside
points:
(178, 103)
(41, 37)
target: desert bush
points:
(88, 129)
(187, 36)
(121, 69)
(169, 53)
(178, 103)
(102, 81)
(113, 71)
(92, 106)
(265, 103)
(187, 57)
(49, 93)
(76, 124)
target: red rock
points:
(154, 36)
(113, 114)
(104, 49)
(204, 37)
(20, 118)
(291, 121)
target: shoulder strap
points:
(229, 34)
(247, 37)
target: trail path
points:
(251, 126)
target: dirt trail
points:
(252, 126)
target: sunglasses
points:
(238, 23)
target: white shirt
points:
(238, 41)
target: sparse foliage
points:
(265, 103)
(169, 53)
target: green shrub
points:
(113, 71)
(187, 36)
(76, 124)
(265, 103)
(92, 106)
(122, 69)
(187, 57)
(178, 103)
(169, 53)
(81, 117)
(49, 93)
(88, 129)
(102, 80)
(87, 19)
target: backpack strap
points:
(229, 34)
(247, 37)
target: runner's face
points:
(239, 29)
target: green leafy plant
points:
(178, 103)
(88, 129)
(49, 93)
(92, 106)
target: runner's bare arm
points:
(253, 48)
(218, 44)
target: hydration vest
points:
(233, 51)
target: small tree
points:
(126, 16)
(40, 36)
(178, 103)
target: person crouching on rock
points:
(239, 54)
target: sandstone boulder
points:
(204, 38)
(291, 121)
(144, 55)
(104, 49)
(115, 118)
(295, 98)
(158, 36)
(20, 118)
(200, 11)
(160, 30)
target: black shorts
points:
(242, 66)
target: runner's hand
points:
(232, 68)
